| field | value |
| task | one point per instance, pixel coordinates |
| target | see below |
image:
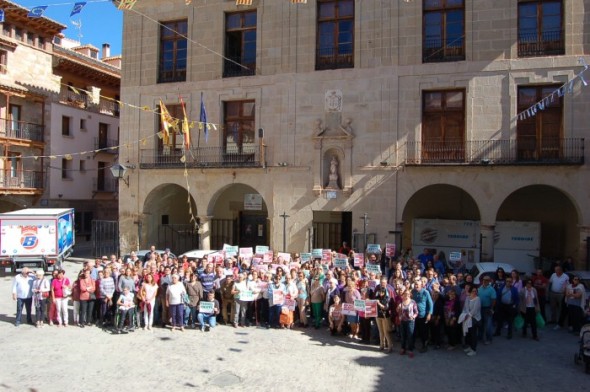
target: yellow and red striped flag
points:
(243, 2)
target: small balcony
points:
(552, 151)
(109, 107)
(332, 58)
(106, 145)
(21, 180)
(105, 184)
(203, 157)
(546, 43)
(234, 66)
(435, 51)
(21, 130)
(72, 98)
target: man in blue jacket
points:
(424, 302)
(507, 304)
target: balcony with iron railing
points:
(21, 180)
(436, 50)
(21, 130)
(105, 184)
(234, 66)
(545, 43)
(106, 145)
(203, 157)
(548, 151)
(333, 58)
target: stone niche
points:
(332, 137)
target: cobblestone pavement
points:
(256, 359)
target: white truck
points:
(517, 243)
(36, 238)
(458, 239)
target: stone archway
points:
(438, 201)
(239, 216)
(554, 209)
(166, 219)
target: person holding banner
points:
(241, 305)
(335, 317)
(350, 294)
(276, 298)
(385, 308)
(207, 312)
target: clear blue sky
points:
(102, 22)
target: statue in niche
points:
(333, 175)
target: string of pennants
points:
(38, 11)
(567, 87)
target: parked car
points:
(480, 270)
(196, 254)
(141, 254)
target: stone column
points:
(581, 262)
(205, 231)
(487, 242)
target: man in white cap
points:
(22, 293)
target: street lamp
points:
(365, 218)
(284, 216)
(119, 171)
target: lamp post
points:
(365, 218)
(284, 216)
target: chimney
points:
(106, 51)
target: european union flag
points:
(77, 8)
(1, 16)
(37, 12)
(203, 118)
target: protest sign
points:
(348, 309)
(373, 248)
(278, 297)
(290, 303)
(341, 263)
(375, 268)
(359, 260)
(206, 307)
(359, 305)
(261, 249)
(305, 257)
(246, 295)
(389, 250)
(370, 308)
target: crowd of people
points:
(413, 301)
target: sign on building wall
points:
(252, 202)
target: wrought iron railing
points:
(332, 58)
(105, 144)
(545, 43)
(21, 130)
(105, 184)
(547, 151)
(25, 179)
(203, 157)
(234, 66)
(436, 50)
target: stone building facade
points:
(348, 120)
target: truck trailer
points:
(38, 238)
